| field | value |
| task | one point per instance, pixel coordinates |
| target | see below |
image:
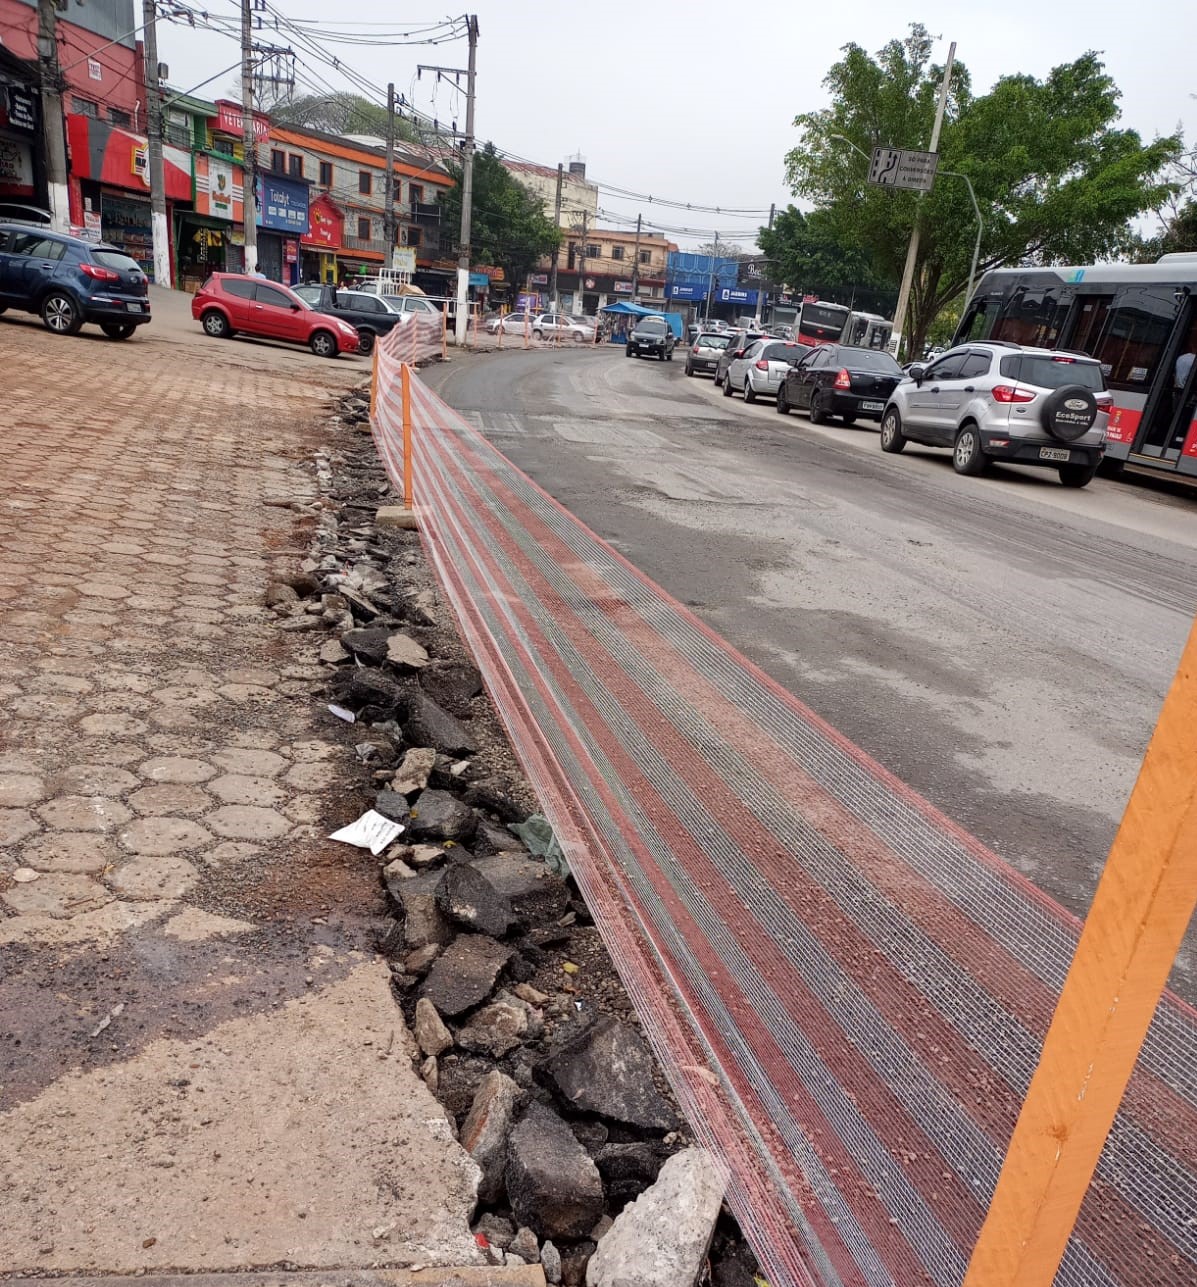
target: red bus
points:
(1138, 320)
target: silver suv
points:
(998, 401)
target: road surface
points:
(1000, 644)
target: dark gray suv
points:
(651, 336)
(69, 281)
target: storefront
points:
(22, 174)
(282, 222)
(319, 246)
(204, 234)
(110, 177)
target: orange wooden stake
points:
(1139, 916)
(405, 385)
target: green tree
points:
(1055, 178)
(810, 255)
(341, 113)
(509, 226)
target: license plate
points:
(1054, 453)
(134, 308)
(872, 406)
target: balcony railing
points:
(376, 244)
(426, 215)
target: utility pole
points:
(760, 290)
(159, 228)
(912, 251)
(580, 302)
(556, 249)
(711, 282)
(52, 123)
(467, 189)
(249, 143)
(636, 261)
(388, 185)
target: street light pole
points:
(462, 319)
(972, 272)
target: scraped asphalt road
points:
(1001, 644)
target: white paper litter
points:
(371, 831)
(341, 713)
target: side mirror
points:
(917, 372)
(295, 308)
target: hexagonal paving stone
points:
(174, 717)
(310, 750)
(311, 777)
(112, 725)
(254, 739)
(49, 682)
(59, 895)
(304, 808)
(251, 762)
(44, 706)
(251, 675)
(15, 825)
(176, 768)
(169, 797)
(69, 851)
(95, 779)
(246, 693)
(84, 813)
(115, 753)
(163, 836)
(229, 853)
(103, 590)
(128, 680)
(20, 788)
(238, 788)
(186, 695)
(244, 822)
(160, 877)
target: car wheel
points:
(783, 406)
(892, 437)
(749, 391)
(818, 416)
(538, 335)
(216, 325)
(627, 352)
(1077, 475)
(727, 388)
(718, 381)
(578, 337)
(323, 344)
(61, 314)
(365, 342)
(848, 420)
(967, 456)
(118, 330)
(689, 369)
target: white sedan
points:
(511, 324)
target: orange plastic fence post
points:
(526, 317)
(1139, 916)
(444, 333)
(405, 386)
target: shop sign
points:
(681, 291)
(16, 168)
(479, 280)
(220, 188)
(404, 259)
(325, 225)
(539, 279)
(291, 252)
(139, 162)
(22, 110)
(623, 288)
(229, 120)
(731, 295)
(282, 205)
(91, 226)
(527, 302)
(590, 283)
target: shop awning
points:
(109, 155)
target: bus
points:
(867, 331)
(1138, 320)
(820, 322)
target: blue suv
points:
(69, 281)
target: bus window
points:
(1033, 317)
(975, 324)
(1135, 334)
(1091, 320)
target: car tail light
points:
(762, 365)
(100, 274)
(1009, 393)
(1105, 401)
(843, 380)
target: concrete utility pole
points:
(636, 260)
(249, 144)
(52, 123)
(467, 189)
(159, 227)
(912, 251)
(711, 282)
(760, 290)
(580, 302)
(556, 249)
(388, 184)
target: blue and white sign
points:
(282, 205)
(678, 290)
(729, 295)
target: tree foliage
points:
(808, 252)
(509, 226)
(340, 113)
(1056, 180)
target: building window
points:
(417, 193)
(365, 182)
(616, 252)
(119, 118)
(573, 253)
(593, 251)
(646, 257)
(278, 160)
(326, 178)
(363, 228)
(295, 165)
(413, 236)
(85, 107)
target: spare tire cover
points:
(1070, 412)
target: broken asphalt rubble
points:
(523, 1031)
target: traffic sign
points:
(896, 168)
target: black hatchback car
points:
(838, 380)
(69, 281)
(652, 337)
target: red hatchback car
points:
(230, 302)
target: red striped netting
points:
(847, 991)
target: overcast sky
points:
(694, 101)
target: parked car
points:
(738, 343)
(1004, 402)
(763, 368)
(703, 353)
(228, 303)
(557, 325)
(409, 306)
(511, 324)
(839, 380)
(370, 315)
(69, 281)
(652, 336)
